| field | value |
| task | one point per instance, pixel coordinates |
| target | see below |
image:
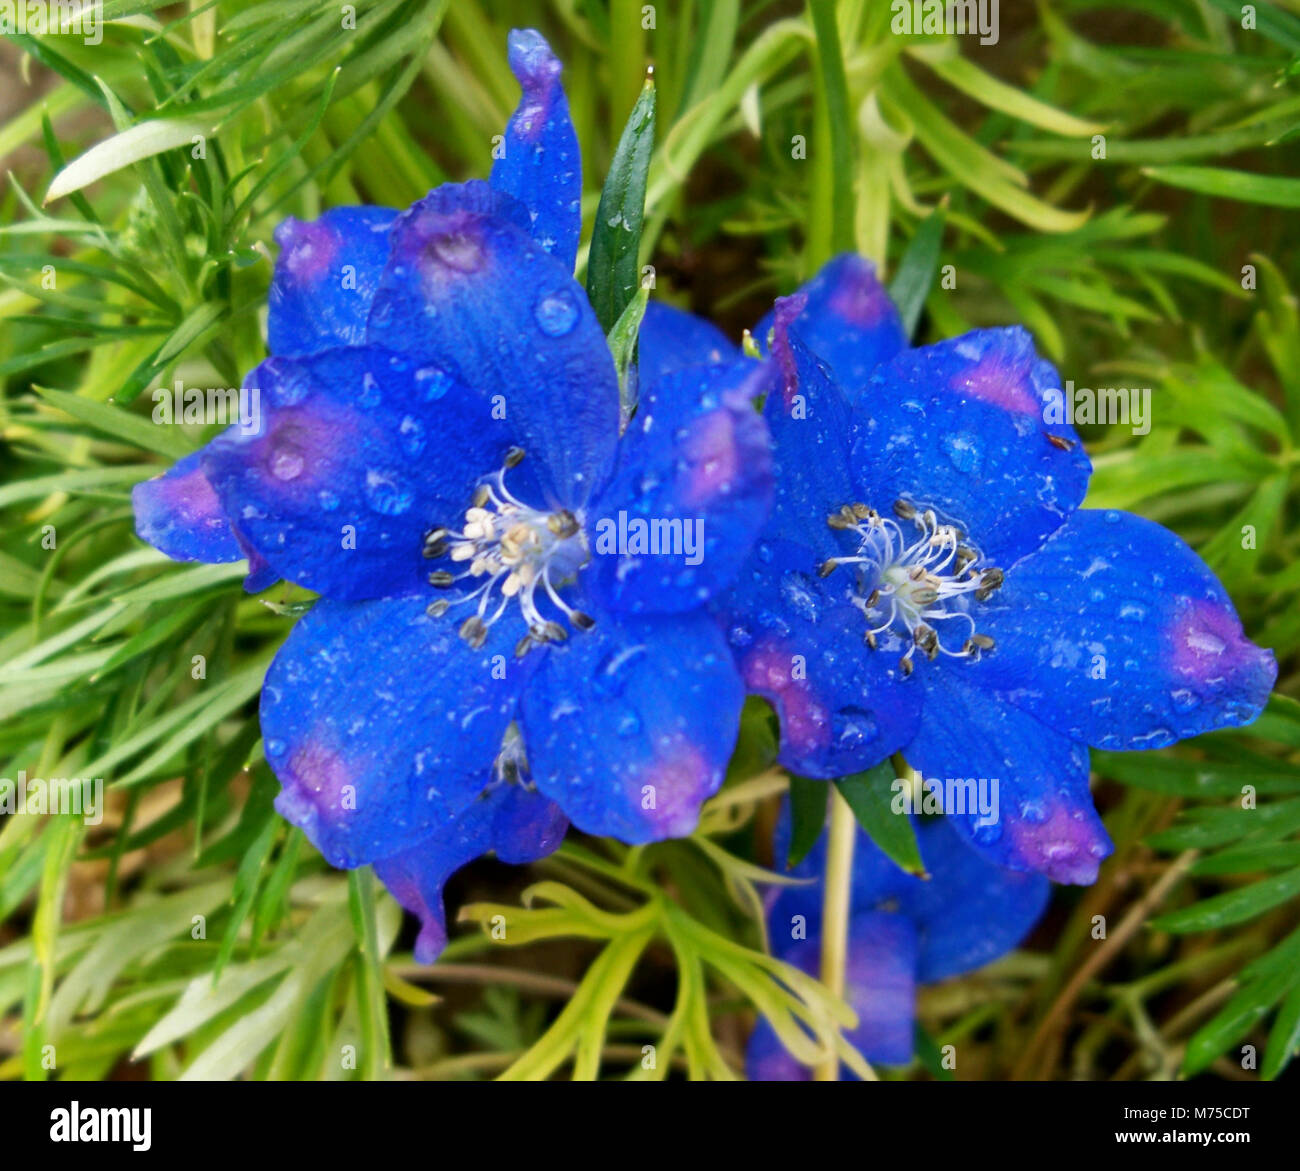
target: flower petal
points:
(959, 427)
(879, 985)
(357, 454)
(381, 723)
(630, 725)
(810, 423)
(671, 339)
(541, 166)
(469, 291)
(797, 640)
(691, 493)
(520, 825)
(1044, 819)
(325, 279)
(1117, 634)
(180, 514)
(970, 911)
(848, 321)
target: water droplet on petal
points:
(556, 313)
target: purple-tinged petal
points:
(381, 723)
(1044, 818)
(469, 291)
(629, 726)
(797, 640)
(671, 339)
(357, 454)
(325, 279)
(692, 491)
(848, 321)
(1117, 634)
(516, 823)
(960, 427)
(542, 166)
(180, 514)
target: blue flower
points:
(903, 931)
(512, 629)
(927, 582)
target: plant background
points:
(1128, 269)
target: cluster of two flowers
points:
(900, 523)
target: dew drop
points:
(556, 313)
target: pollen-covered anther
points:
(512, 553)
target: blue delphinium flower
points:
(927, 582)
(903, 931)
(511, 632)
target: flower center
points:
(908, 586)
(529, 553)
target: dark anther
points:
(441, 578)
(562, 523)
(904, 510)
(437, 609)
(481, 495)
(474, 631)
(905, 665)
(582, 621)
(514, 457)
(827, 567)
(1060, 442)
(870, 639)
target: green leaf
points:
(165, 440)
(911, 284)
(1272, 190)
(613, 265)
(1264, 982)
(1284, 1039)
(141, 141)
(622, 344)
(807, 818)
(1235, 906)
(870, 795)
(837, 163)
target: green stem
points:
(835, 909)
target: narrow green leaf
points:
(121, 424)
(870, 795)
(1273, 190)
(1235, 906)
(911, 284)
(141, 141)
(807, 818)
(613, 268)
(622, 344)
